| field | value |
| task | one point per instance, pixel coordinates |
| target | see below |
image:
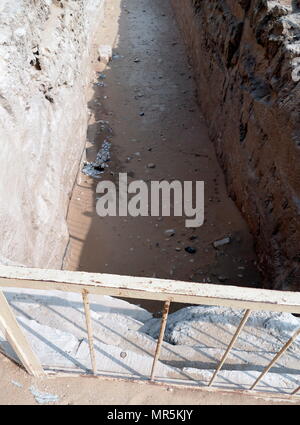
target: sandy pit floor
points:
(150, 75)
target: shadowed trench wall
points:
(242, 53)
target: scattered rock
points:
(123, 355)
(151, 165)
(222, 278)
(170, 232)
(190, 250)
(157, 314)
(222, 242)
(43, 398)
(105, 54)
(17, 384)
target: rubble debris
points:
(17, 384)
(43, 398)
(222, 242)
(105, 53)
(104, 126)
(95, 169)
(151, 165)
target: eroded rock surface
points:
(44, 54)
(245, 57)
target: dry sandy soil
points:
(150, 74)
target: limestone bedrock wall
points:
(244, 54)
(44, 62)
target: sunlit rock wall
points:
(44, 51)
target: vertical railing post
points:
(161, 337)
(276, 358)
(233, 341)
(86, 303)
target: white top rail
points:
(150, 289)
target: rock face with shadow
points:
(44, 61)
(245, 56)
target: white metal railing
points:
(138, 288)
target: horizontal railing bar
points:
(150, 289)
(58, 373)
